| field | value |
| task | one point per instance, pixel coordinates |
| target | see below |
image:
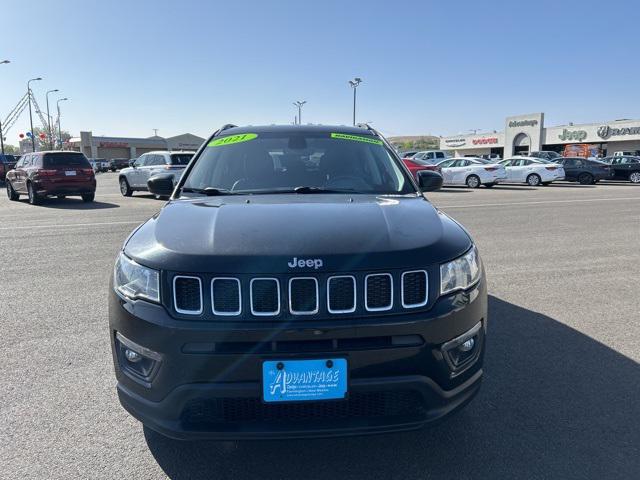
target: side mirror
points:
(429, 181)
(161, 185)
(132, 163)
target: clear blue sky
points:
(428, 67)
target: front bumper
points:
(207, 383)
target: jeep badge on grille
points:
(305, 262)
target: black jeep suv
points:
(297, 283)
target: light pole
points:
(354, 84)
(33, 140)
(1, 137)
(299, 104)
(49, 133)
(60, 129)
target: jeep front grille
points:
(415, 288)
(341, 294)
(187, 295)
(303, 296)
(265, 296)
(226, 296)
(378, 292)
(300, 295)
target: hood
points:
(264, 233)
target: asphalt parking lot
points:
(560, 398)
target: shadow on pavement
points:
(515, 186)
(75, 204)
(571, 185)
(555, 404)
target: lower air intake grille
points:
(265, 296)
(379, 291)
(187, 295)
(225, 293)
(414, 289)
(202, 412)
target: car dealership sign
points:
(606, 131)
(523, 123)
(569, 135)
(485, 141)
(455, 142)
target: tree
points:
(11, 149)
(45, 143)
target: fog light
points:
(138, 362)
(461, 352)
(133, 357)
(468, 345)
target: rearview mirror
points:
(429, 181)
(161, 185)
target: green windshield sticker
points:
(356, 138)
(231, 139)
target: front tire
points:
(11, 193)
(634, 177)
(34, 198)
(534, 180)
(125, 189)
(585, 179)
(88, 197)
(473, 181)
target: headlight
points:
(460, 273)
(135, 281)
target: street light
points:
(49, 133)
(354, 84)
(60, 129)
(299, 104)
(33, 141)
(1, 137)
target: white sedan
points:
(472, 172)
(532, 171)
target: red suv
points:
(43, 174)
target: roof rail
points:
(226, 126)
(365, 125)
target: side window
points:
(579, 163)
(447, 163)
(140, 161)
(159, 160)
(569, 162)
(439, 155)
(506, 163)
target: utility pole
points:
(1, 135)
(49, 133)
(59, 128)
(354, 84)
(299, 104)
(155, 132)
(33, 140)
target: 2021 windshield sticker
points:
(356, 138)
(231, 139)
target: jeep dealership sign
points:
(606, 131)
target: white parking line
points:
(541, 202)
(70, 225)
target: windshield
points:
(283, 161)
(181, 158)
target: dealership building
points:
(124, 147)
(527, 133)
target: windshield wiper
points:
(209, 191)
